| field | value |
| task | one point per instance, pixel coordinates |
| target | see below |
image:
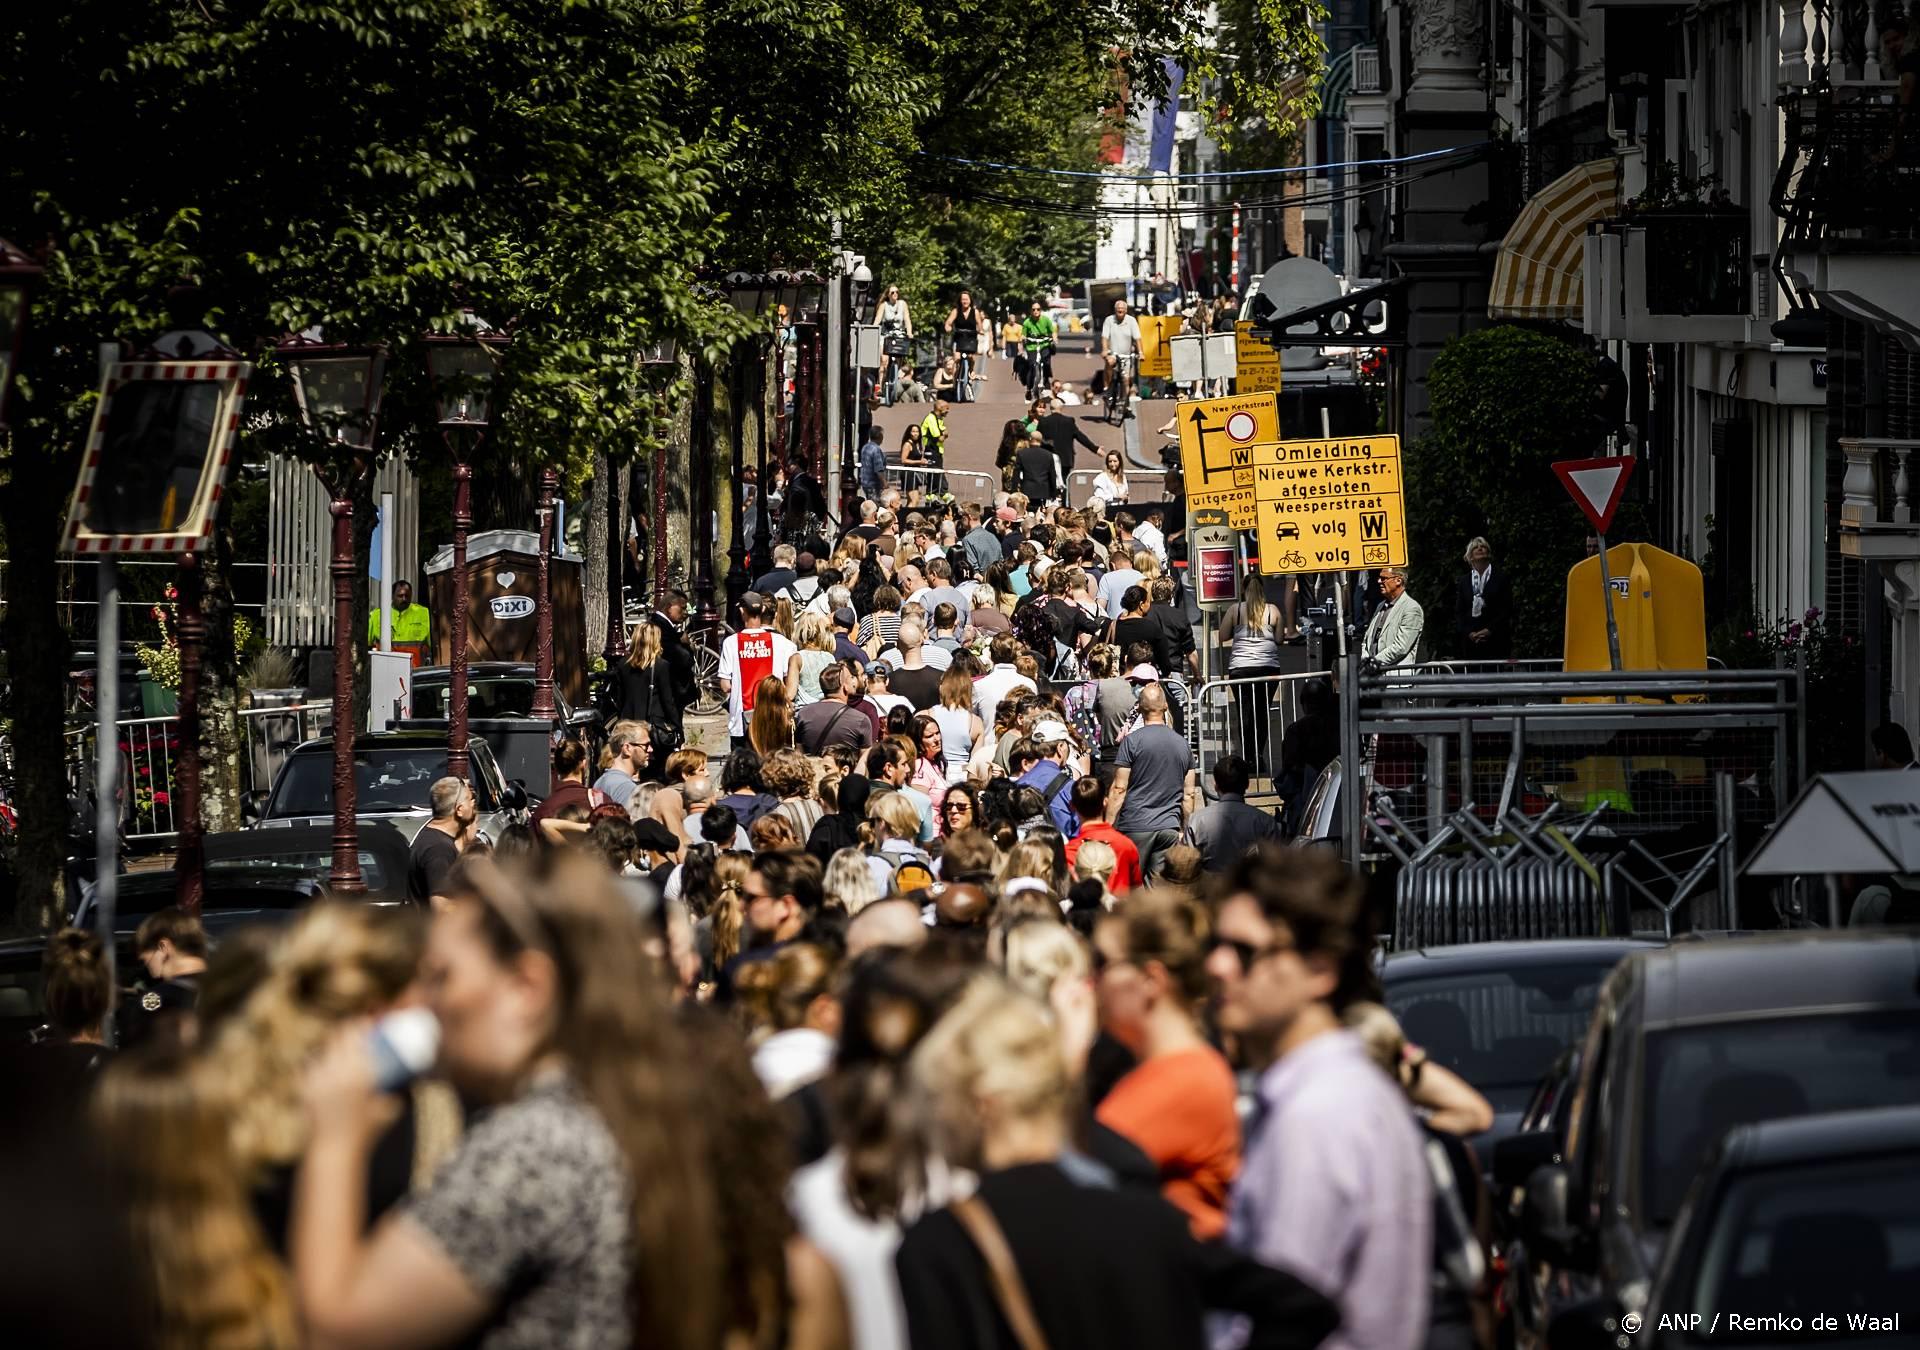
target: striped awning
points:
(1542, 262)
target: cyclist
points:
(896, 338)
(1120, 349)
(1038, 334)
(964, 323)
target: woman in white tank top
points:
(960, 727)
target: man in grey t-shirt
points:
(1145, 799)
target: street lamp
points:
(864, 296)
(463, 367)
(1363, 239)
(657, 356)
(543, 600)
(19, 274)
(337, 386)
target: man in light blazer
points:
(1393, 635)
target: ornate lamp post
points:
(749, 294)
(543, 602)
(785, 292)
(464, 368)
(18, 276)
(337, 386)
(658, 356)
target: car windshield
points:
(1839, 1238)
(1498, 1029)
(1704, 1080)
(386, 780)
(503, 696)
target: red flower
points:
(160, 798)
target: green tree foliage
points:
(1507, 402)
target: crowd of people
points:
(943, 1009)
(841, 1092)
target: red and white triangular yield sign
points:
(1596, 486)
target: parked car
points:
(1686, 1044)
(1789, 1219)
(502, 692)
(393, 773)
(1499, 1013)
(251, 877)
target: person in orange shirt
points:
(1178, 1103)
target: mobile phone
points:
(404, 1046)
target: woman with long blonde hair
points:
(772, 726)
(337, 962)
(813, 637)
(647, 695)
(161, 1120)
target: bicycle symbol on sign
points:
(1293, 558)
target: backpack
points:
(1057, 785)
(898, 862)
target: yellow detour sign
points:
(1258, 371)
(1659, 603)
(1156, 358)
(1220, 439)
(1327, 505)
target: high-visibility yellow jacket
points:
(410, 627)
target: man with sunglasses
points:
(1333, 1185)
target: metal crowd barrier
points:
(150, 746)
(1080, 484)
(1245, 715)
(1449, 900)
(984, 484)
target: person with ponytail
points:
(337, 963)
(1178, 1103)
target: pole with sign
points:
(1213, 545)
(1596, 486)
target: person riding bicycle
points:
(1038, 334)
(1120, 349)
(896, 338)
(963, 322)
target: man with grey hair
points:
(630, 743)
(1393, 635)
(437, 847)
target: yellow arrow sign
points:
(1221, 439)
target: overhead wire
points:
(1211, 175)
(1457, 157)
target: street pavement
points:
(973, 429)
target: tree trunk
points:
(600, 571)
(220, 740)
(37, 653)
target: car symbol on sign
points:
(1287, 530)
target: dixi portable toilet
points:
(501, 621)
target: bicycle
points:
(705, 640)
(1039, 370)
(1119, 405)
(895, 346)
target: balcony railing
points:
(1877, 515)
(1697, 264)
(1670, 278)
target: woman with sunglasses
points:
(960, 811)
(579, 1209)
(896, 337)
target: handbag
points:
(1009, 1290)
(666, 733)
